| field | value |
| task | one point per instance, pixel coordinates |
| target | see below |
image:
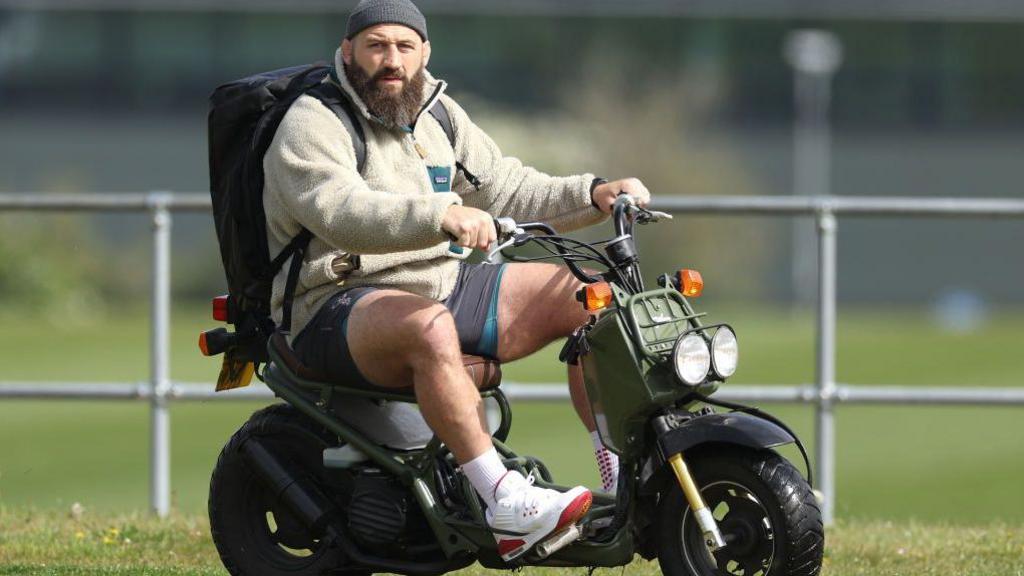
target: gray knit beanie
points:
(372, 12)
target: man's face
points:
(391, 54)
(385, 65)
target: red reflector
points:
(220, 308)
(202, 344)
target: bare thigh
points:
(536, 306)
(389, 330)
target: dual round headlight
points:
(725, 352)
(693, 359)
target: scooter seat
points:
(485, 372)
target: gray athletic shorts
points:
(323, 344)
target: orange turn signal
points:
(203, 347)
(690, 283)
(597, 296)
(213, 342)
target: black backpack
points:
(244, 115)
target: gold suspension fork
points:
(712, 535)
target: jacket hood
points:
(432, 89)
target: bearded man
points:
(413, 215)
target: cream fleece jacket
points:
(391, 214)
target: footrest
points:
(559, 540)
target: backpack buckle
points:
(342, 266)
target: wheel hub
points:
(286, 542)
(289, 531)
(747, 529)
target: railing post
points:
(825, 381)
(160, 425)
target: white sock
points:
(484, 473)
(607, 464)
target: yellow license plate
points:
(234, 373)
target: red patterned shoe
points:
(525, 514)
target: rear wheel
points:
(764, 508)
(253, 531)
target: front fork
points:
(712, 535)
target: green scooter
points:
(311, 486)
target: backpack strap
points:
(440, 113)
(333, 98)
(297, 250)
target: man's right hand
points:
(469, 227)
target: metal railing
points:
(824, 394)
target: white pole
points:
(160, 424)
(825, 380)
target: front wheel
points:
(764, 508)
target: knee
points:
(435, 338)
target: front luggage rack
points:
(657, 319)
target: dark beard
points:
(398, 111)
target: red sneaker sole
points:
(574, 511)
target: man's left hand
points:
(604, 194)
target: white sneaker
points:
(525, 514)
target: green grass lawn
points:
(57, 544)
(950, 464)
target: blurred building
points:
(109, 95)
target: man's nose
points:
(393, 57)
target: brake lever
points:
(497, 248)
(645, 216)
(648, 216)
(503, 227)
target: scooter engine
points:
(381, 512)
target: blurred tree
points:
(51, 269)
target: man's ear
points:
(346, 51)
(426, 53)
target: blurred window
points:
(40, 46)
(894, 74)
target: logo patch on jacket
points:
(440, 178)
